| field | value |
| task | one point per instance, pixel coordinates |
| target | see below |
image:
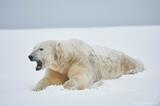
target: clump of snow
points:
(18, 76)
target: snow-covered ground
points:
(18, 76)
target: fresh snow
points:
(18, 75)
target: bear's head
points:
(44, 54)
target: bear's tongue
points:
(39, 65)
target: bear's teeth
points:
(38, 67)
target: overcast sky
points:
(77, 13)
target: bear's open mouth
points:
(39, 65)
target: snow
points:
(18, 75)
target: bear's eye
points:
(41, 49)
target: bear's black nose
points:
(30, 57)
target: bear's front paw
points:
(69, 85)
(40, 86)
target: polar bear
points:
(77, 65)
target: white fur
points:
(84, 64)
